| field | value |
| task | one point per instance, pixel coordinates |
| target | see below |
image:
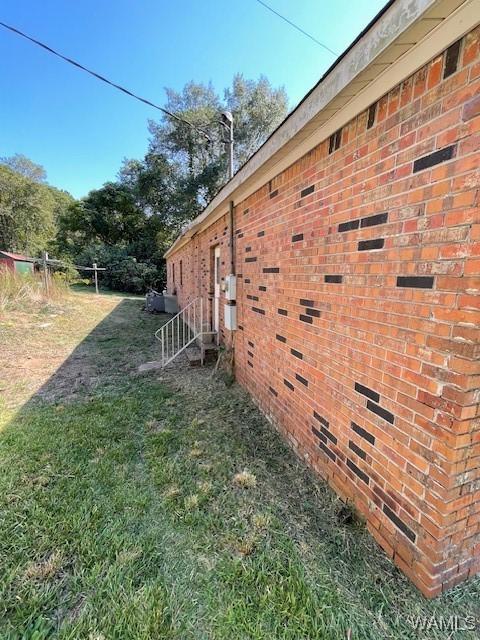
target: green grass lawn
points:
(166, 507)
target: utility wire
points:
(103, 79)
(295, 26)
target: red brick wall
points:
(197, 269)
(358, 312)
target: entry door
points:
(216, 299)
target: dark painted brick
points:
(365, 391)
(288, 384)
(360, 452)
(451, 59)
(301, 379)
(372, 112)
(333, 279)
(305, 318)
(313, 312)
(361, 474)
(248, 249)
(306, 303)
(282, 312)
(273, 193)
(415, 282)
(257, 310)
(262, 288)
(372, 221)
(260, 234)
(250, 297)
(271, 270)
(326, 450)
(272, 391)
(307, 191)
(430, 160)
(250, 259)
(240, 235)
(297, 354)
(245, 211)
(348, 226)
(297, 237)
(251, 344)
(368, 245)
(380, 411)
(335, 141)
(247, 280)
(328, 434)
(331, 143)
(249, 353)
(240, 327)
(280, 338)
(399, 523)
(319, 435)
(320, 419)
(363, 433)
(250, 364)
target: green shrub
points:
(123, 271)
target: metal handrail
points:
(182, 330)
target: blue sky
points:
(80, 129)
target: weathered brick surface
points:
(358, 305)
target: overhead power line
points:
(103, 79)
(295, 26)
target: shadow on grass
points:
(108, 355)
(71, 497)
(123, 515)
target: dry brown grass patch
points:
(245, 479)
(46, 568)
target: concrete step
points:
(211, 352)
(147, 367)
(194, 354)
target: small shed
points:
(16, 262)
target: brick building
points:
(356, 249)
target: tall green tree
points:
(108, 215)
(129, 224)
(201, 165)
(25, 167)
(29, 207)
(257, 110)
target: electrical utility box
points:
(230, 317)
(231, 287)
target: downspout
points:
(232, 238)
(233, 277)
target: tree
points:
(257, 109)
(28, 212)
(25, 167)
(152, 182)
(129, 224)
(109, 215)
(29, 207)
(201, 166)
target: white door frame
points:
(216, 293)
